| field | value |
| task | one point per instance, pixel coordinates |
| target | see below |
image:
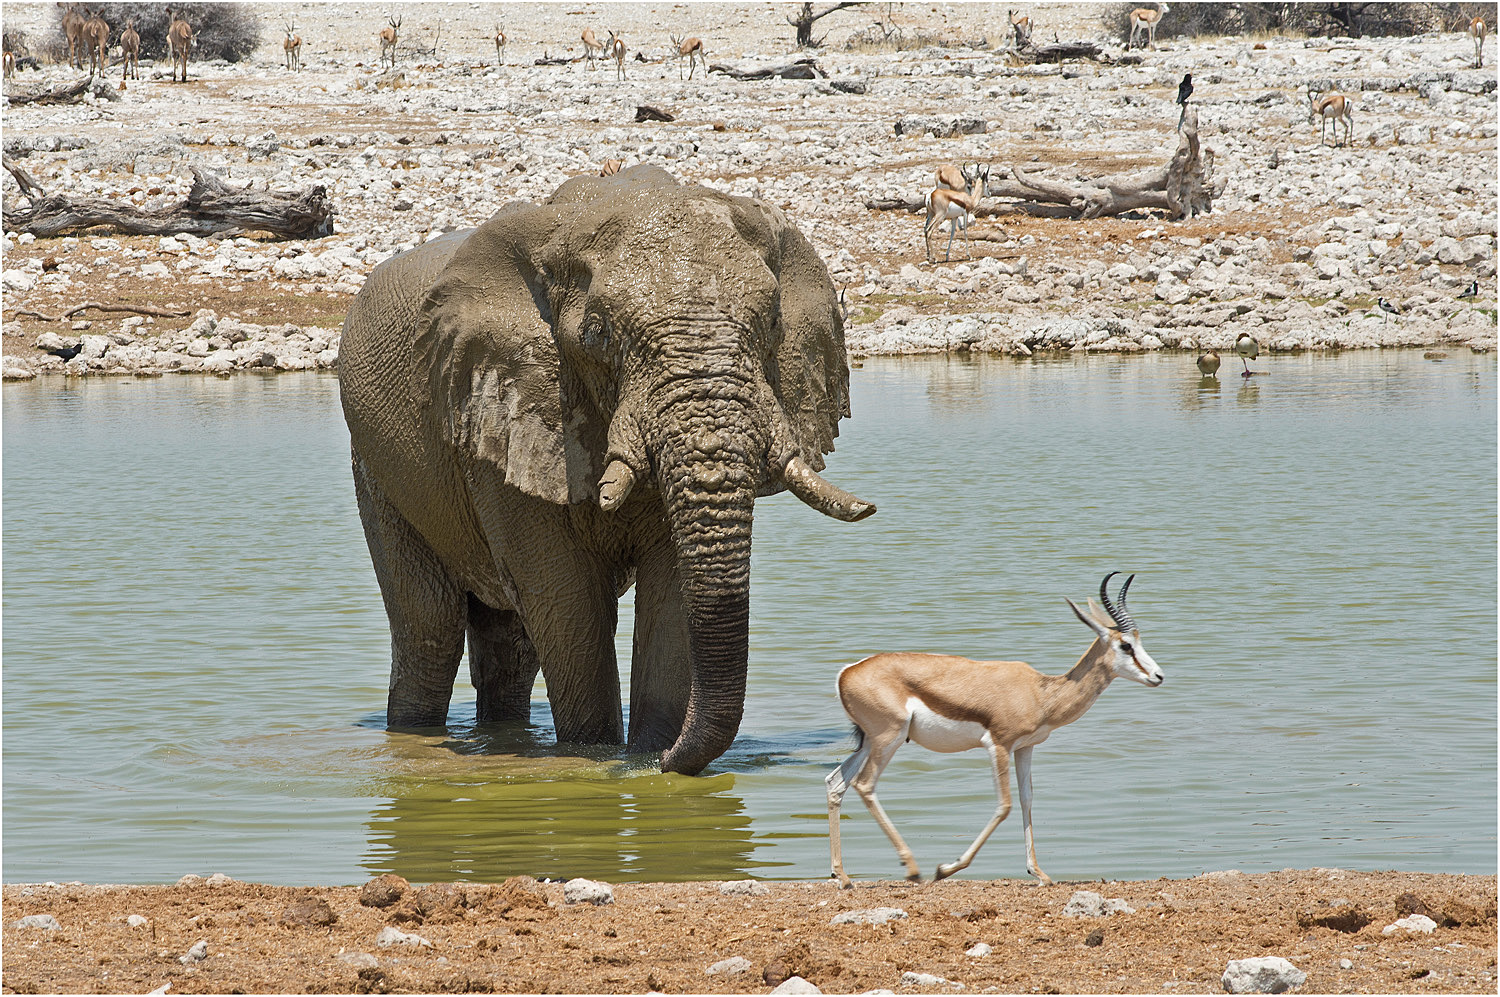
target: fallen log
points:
(67, 93)
(99, 306)
(27, 182)
(645, 112)
(553, 60)
(802, 69)
(1059, 51)
(211, 208)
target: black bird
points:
(66, 352)
(1472, 291)
(1185, 88)
(1387, 307)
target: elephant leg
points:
(660, 667)
(567, 595)
(502, 662)
(425, 606)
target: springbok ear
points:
(1087, 621)
(488, 364)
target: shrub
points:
(1353, 19)
(228, 31)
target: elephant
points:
(576, 396)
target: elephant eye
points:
(595, 333)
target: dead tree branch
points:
(100, 306)
(805, 19)
(802, 69)
(67, 93)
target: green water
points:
(195, 652)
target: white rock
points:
(44, 921)
(796, 985)
(1086, 903)
(155, 270)
(197, 953)
(358, 960)
(910, 979)
(160, 990)
(586, 891)
(1269, 974)
(732, 966)
(136, 921)
(979, 950)
(875, 915)
(218, 879)
(744, 888)
(390, 935)
(1414, 924)
(17, 280)
(191, 879)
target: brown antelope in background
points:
(610, 167)
(956, 207)
(292, 47)
(130, 50)
(9, 60)
(949, 704)
(388, 36)
(1022, 27)
(179, 42)
(1339, 107)
(72, 24)
(96, 40)
(689, 49)
(1142, 19)
(592, 46)
(499, 45)
(1477, 30)
(616, 51)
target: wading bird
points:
(1472, 291)
(948, 704)
(1387, 307)
(1208, 364)
(1248, 349)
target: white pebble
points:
(577, 891)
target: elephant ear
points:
(813, 368)
(487, 369)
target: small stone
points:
(732, 966)
(313, 911)
(795, 985)
(218, 879)
(910, 979)
(382, 891)
(1269, 974)
(1086, 903)
(191, 879)
(390, 936)
(875, 915)
(1414, 924)
(44, 921)
(136, 921)
(979, 950)
(358, 960)
(744, 888)
(576, 891)
(196, 954)
(1409, 903)
(1345, 964)
(1095, 938)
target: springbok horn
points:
(1120, 616)
(615, 485)
(831, 500)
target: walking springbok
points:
(499, 45)
(130, 50)
(950, 704)
(1143, 19)
(616, 52)
(96, 40)
(292, 46)
(1477, 30)
(1022, 27)
(689, 49)
(1335, 105)
(592, 47)
(956, 207)
(179, 42)
(388, 36)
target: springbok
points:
(388, 37)
(1335, 105)
(592, 47)
(1477, 30)
(689, 48)
(96, 40)
(1143, 19)
(72, 24)
(292, 47)
(610, 167)
(616, 51)
(179, 41)
(956, 207)
(130, 50)
(949, 704)
(499, 45)
(9, 59)
(1021, 25)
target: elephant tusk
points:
(829, 499)
(615, 486)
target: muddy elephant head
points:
(635, 335)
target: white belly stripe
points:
(938, 733)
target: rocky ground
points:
(1304, 240)
(1317, 931)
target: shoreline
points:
(1346, 931)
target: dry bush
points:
(1191, 20)
(228, 31)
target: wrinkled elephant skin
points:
(574, 397)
